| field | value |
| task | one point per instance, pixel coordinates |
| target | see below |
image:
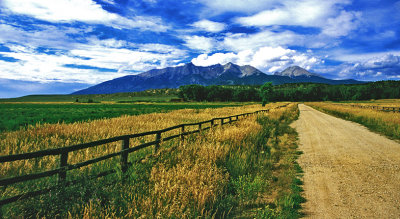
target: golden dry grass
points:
(387, 123)
(201, 170)
(192, 181)
(59, 135)
(387, 103)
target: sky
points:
(60, 46)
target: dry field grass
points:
(211, 175)
(387, 123)
(60, 135)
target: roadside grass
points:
(247, 169)
(379, 102)
(386, 123)
(17, 116)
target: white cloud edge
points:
(209, 26)
(267, 59)
(87, 11)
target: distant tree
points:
(218, 93)
(292, 92)
(90, 101)
(248, 94)
(266, 92)
(77, 100)
(192, 92)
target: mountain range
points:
(228, 74)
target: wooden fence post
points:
(237, 118)
(63, 163)
(158, 141)
(124, 155)
(199, 127)
(182, 133)
(222, 122)
(212, 123)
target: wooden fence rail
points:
(63, 152)
(380, 108)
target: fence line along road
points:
(380, 108)
(63, 152)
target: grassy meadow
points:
(246, 169)
(380, 102)
(386, 123)
(152, 95)
(22, 115)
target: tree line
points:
(291, 92)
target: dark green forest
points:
(293, 92)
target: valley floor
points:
(350, 172)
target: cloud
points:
(387, 61)
(200, 43)
(379, 68)
(105, 60)
(267, 59)
(350, 56)
(110, 2)
(237, 42)
(326, 15)
(45, 53)
(217, 58)
(241, 41)
(303, 13)
(125, 60)
(342, 25)
(209, 26)
(41, 36)
(221, 6)
(87, 11)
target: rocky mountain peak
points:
(230, 65)
(295, 71)
(228, 74)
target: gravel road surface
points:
(349, 171)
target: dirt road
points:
(350, 172)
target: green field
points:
(158, 95)
(20, 115)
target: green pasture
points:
(20, 115)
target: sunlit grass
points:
(387, 123)
(228, 171)
(17, 116)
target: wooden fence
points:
(63, 152)
(380, 108)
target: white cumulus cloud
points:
(326, 15)
(95, 61)
(342, 25)
(200, 43)
(267, 59)
(209, 26)
(86, 11)
(221, 6)
(381, 67)
(241, 41)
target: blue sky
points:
(59, 46)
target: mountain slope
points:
(296, 71)
(228, 74)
